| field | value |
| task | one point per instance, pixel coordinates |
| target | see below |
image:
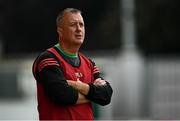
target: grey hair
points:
(62, 13)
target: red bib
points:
(49, 111)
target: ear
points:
(59, 31)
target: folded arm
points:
(99, 91)
(50, 75)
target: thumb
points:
(98, 79)
(78, 80)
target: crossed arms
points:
(68, 92)
(84, 88)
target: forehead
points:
(73, 17)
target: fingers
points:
(96, 82)
(70, 82)
(79, 80)
(99, 82)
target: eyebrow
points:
(76, 22)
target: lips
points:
(78, 36)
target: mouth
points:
(78, 36)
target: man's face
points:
(72, 29)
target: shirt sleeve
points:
(99, 94)
(50, 75)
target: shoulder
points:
(87, 59)
(91, 63)
(44, 55)
(44, 59)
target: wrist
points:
(82, 87)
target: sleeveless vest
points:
(50, 111)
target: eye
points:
(81, 24)
(73, 24)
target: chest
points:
(83, 72)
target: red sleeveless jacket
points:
(50, 111)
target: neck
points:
(72, 50)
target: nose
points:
(78, 27)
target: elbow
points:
(100, 94)
(62, 100)
(67, 97)
(105, 102)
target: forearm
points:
(100, 90)
(100, 94)
(82, 99)
(56, 87)
(81, 87)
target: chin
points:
(79, 42)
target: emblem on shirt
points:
(78, 74)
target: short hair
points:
(62, 13)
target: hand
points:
(79, 86)
(75, 84)
(82, 99)
(99, 82)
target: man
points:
(67, 81)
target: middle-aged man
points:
(67, 81)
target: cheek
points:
(83, 31)
(84, 34)
(71, 32)
(68, 34)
